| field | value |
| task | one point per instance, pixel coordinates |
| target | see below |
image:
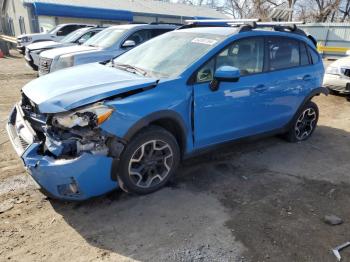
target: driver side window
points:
(246, 54)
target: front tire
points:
(304, 124)
(149, 161)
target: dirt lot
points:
(258, 201)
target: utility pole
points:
(291, 3)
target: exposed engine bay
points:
(69, 134)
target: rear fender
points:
(313, 93)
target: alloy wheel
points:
(151, 163)
(305, 124)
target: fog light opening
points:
(70, 189)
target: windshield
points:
(105, 38)
(72, 37)
(170, 54)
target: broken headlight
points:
(91, 116)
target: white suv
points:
(56, 34)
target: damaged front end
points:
(68, 154)
(69, 134)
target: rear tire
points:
(149, 161)
(304, 123)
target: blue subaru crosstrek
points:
(84, 131)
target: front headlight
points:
(332, 70)
(91, 116)
(64, 62)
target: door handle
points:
(260, 88)
(307, 77)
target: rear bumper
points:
(78, 178)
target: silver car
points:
(337, 76)
(104, 46)
(77, 37)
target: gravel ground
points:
(259, 201)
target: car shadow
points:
(159, 226)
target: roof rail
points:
(277, 26)
(215, 22)
(246, 25)
(221, 20)
(165, 23)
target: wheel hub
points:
(151, 163)
(305, 123)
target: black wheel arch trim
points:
(313, 93)
(146, 121)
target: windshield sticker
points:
(204, 41)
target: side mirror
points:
(224, 74)
(59, 33)
(81, 41)
(129, 43)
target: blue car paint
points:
(263, 111)
(63, 92)
(92, 173)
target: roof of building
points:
(141, 7)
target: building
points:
(30, 16)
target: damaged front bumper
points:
(76, 178)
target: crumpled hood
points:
(43, 45)
(81, 85)
(67, 50)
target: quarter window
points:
(304, 57)
(283, 53)
(314, 56)
(246, 54)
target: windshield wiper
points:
(131, 69)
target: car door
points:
(290, 75)
(236, 109)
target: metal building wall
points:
(330, 35)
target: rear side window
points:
(67, 29)
(304, 57)
(283, 53)
(314, 56)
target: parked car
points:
(85, 131)
(104, 46)
(337, 76)
(57, 33)
(77, 37)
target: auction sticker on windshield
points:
(204, 41)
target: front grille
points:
(19, 142)
(17, 138)
(44, 65)
(33, 115)
(345, 71)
